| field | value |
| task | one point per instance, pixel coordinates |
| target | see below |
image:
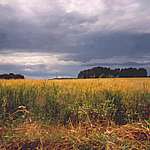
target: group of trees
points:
(11, 76)
(103, 72)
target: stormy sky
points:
(48, 38)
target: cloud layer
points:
(57, 35)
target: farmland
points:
(75, 114)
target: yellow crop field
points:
(82, 110)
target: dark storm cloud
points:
(56, 34)
(99, 29)
(63, 32)
(101, 46)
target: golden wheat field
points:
(84, 114)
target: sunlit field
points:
(75, 114)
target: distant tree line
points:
(11, 76)
(104, 72)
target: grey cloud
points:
(5, 67)
(122, 29)
(57, 31)
(41, 70)
(109, 45)
(50, 36)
